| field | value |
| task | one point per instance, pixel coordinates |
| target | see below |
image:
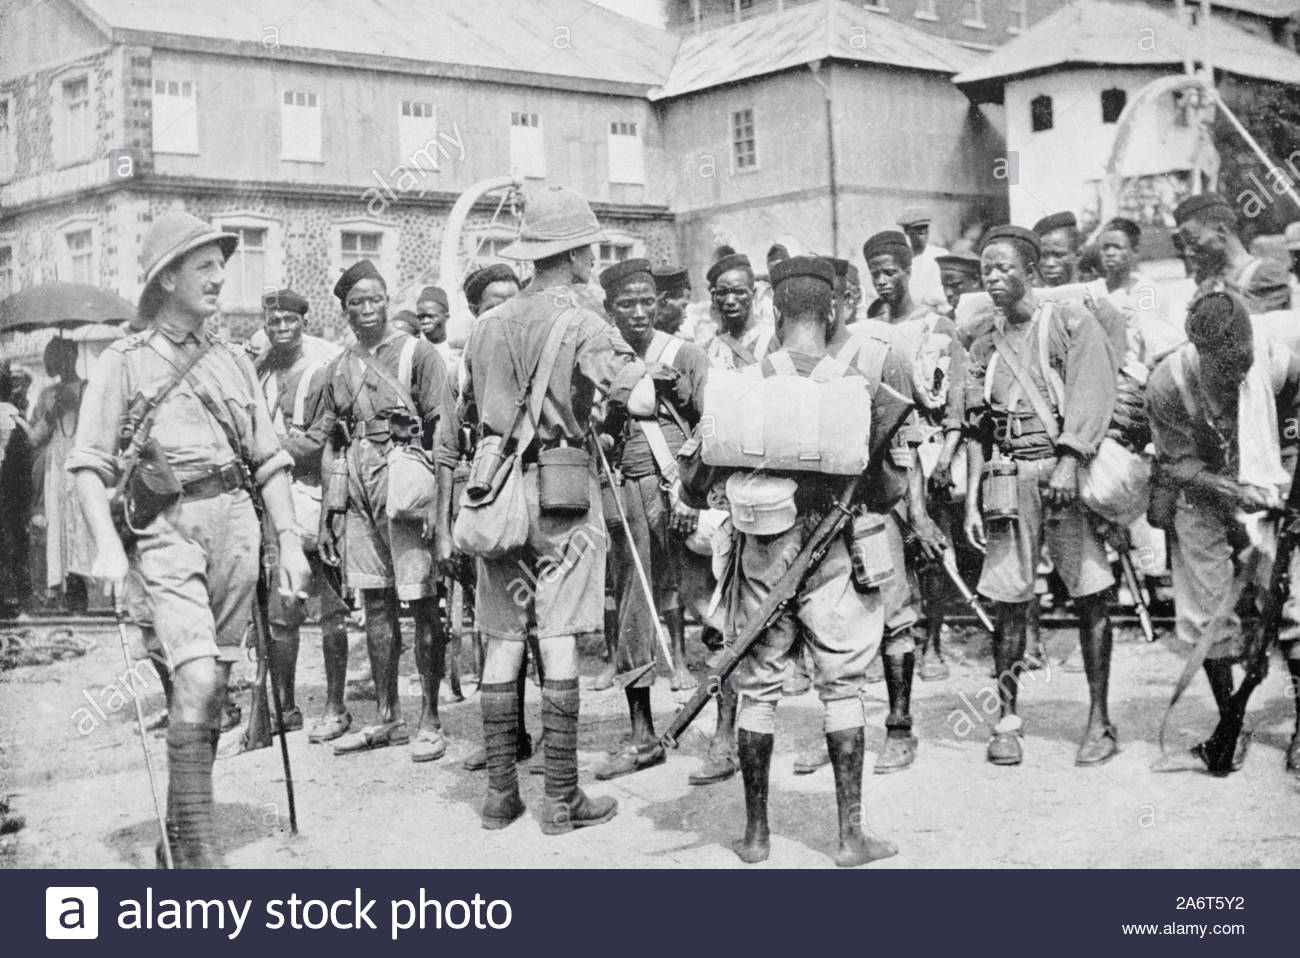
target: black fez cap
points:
(818, 267)
(361, 269)
(841, 266)
(888, 241)
(1217, 318)
(1125, 226)
(479, 280)
(435, 293)
(967, 263)
(734, 261)
(1027, 239)
(777, 251)
(670, 278)
(285, 299)
(1056, 221)
(1196, 205)
(613, 275)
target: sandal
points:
(372, 737)
(428, 745)
(330, 727)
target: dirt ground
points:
(79, 781)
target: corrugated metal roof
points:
(802, 34)
(1112, 34)
(1273, 9)
(563, 38)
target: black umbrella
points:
(61, 306)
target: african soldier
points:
(1042, 422)
(841, 625)
(1219, 407)
(563, 599)
(1207, 224)
(655, 512)
(194, 557)
(388, 387)
(741, 341)
(292, 377)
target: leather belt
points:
(219, 480)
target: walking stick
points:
(636, 555)
(119, 613)
(262, 631)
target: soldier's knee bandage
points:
(899, 642)
(755, 716)
(843, 714)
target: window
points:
(358, 246)
(626, 157)
(417, 135)
(81, 257)
(607, 254)
(744, 140)
(925, 10)
(7, 152)
(1112, 104)
(6, 271)
(527, 148)
(74, 129)
(1019, 15)
(175, 117)
(246, 270)
(1040, 113)
(300, 127)
(974, 10)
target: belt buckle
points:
(230, 478)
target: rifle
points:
(1135, 589)
(787, 587)
(1220, 746)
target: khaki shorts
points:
(901, 595)
(840, 626)
(556, 581)
(379, 552)
(323, 599)
(1011, 553)
(1204, 546)
(195, 577)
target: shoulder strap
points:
(671, 349)
(781, 363)
(372, 364)
(300, 395)
(1178, 370)
(658, 346)
(741, 351)
(143, 427)
(405, 362)
(1055, 388)
(533, 394)
(1248, 273)
(1032, 393)
(829, 368)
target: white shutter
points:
(527, 147)
(417, 135)
(175, 117)
(626, 155)
(300, 137)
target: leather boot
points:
(846, 749)
(566, 806)
(900, 744)
(755, 762)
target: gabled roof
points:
(814, 31)
(570, 39)
(1095, 33)
(1271, 9)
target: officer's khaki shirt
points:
(191, 439)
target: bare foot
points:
(859, 849)
(752, 849)
(604, 680)
(682, 679)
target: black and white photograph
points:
(651, 434)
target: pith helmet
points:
(170, 237)
(556, 219)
